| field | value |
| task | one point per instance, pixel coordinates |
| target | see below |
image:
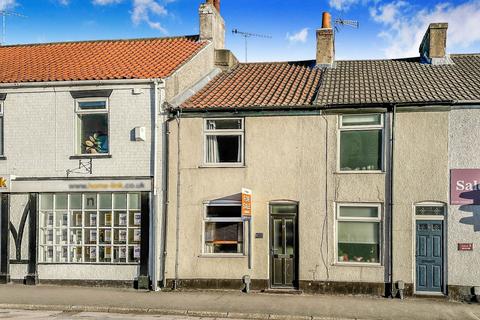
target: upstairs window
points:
(92, 126)
(1, 129)
(223, 229)
(224, 140)
(361, 142)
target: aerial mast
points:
(4, 14)
(247, 35)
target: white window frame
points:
(224, 132)
(206, 219)
(79, 111)
(342, 128)
(2, 147)
(378, 219)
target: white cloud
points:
(300, 36)
(342, 4)
(143, 11)
(106, 2)
(404, 30)
(64, 2)
(7, 4)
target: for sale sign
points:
(465, 186)
(246, 203)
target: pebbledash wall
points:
(39, 140)
(287, 158)
(464, 220)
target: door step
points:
(283, 291)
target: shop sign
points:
(465, 247)
(93, 185)
(5, 183)
(465, 186)
(246, 203)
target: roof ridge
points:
(194, 37)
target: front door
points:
(429, 256)
(283, 246)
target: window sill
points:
(3, 158)
(219, 255)
(361, 172)
(93, 156)
(358, 264)
(222, 165)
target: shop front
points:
(74, 231)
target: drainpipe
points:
(177, 218)
(391, 187)
(158, 101)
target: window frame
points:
(378, 219)
(2, 131)
(44, 228)
(206, 219)
(342, 128)
(78, 112)
(224, 132)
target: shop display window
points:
(90, 228)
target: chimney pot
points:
(326, 20)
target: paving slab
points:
(230, 304)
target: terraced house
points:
(83, 153)
(329, 176)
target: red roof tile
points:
(96, 60)
(282, 84)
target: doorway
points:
(284, 245)
(429, 256)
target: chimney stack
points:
(433, 49)
(325, 42)
(212, 25)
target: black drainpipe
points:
(391, 201)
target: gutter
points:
(74, 83)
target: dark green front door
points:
(429, 256)
(283, 246)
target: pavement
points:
(228, 304)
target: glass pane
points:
(289, 236)
(287, 208)
(364, 212)
(90, 201)
(277, 237)
(223, 237)
(358, 232)
(61, 201)
(46, 201)
(93, 133)
(359, 253)
(430, 211)
(76, 201)
(134, 201)
(89, 105)
(360, 150)
(361, 120)
(105, 201)
(228, 124)
(223, 149)
(224, 211)
(119, 200)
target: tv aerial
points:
(339, 22)
(247, 35)
(4, 14)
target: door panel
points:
(429, 256)
(283, 249)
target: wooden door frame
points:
(270, 243)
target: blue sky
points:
(388, 29)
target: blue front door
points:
(429, 256)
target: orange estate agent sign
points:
(246, 202)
